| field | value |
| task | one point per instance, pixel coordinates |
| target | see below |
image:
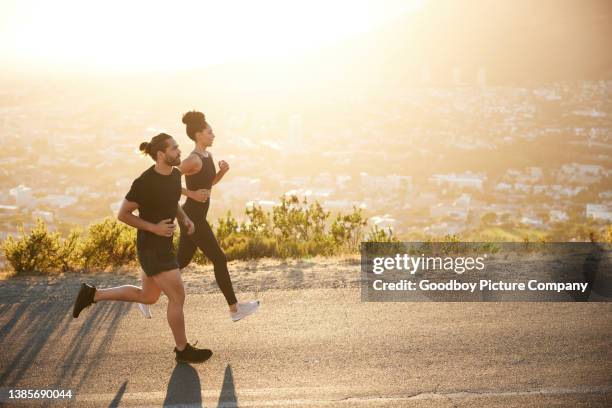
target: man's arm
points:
(126, 215)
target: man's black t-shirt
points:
(157, 196)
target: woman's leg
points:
(205, 239)
(171, 284)
(148, 294)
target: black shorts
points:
(155, 260)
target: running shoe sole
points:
(234, 319)
(83, 300)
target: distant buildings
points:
(267, 205)
(466, 180)
(59, 200)
(409, 133)
(598, 212)
(46, 216)
(458, 210)
(8, 209)
(237, 188)
(385, 184)
(582, 173)
(383, 221)
(558, 216)
(23, 196)
(532, 221)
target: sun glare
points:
(145, 35)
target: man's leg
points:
(186, 250)
(147, 284)
(171, 284)
(148, 294)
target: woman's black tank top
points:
(201, 179)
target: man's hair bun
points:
(157, 144)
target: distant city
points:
(425, 161)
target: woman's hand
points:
(189, 225)
(223, 166)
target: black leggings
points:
(204, 238)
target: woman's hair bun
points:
(144, 146)
(186, 118)
(193, 118)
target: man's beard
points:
(175, 162)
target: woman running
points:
(200, 176)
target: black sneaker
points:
(190, 354)
(84, 299)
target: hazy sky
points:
(138, 35)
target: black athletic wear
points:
(191, 354)
(202, 179)
(203, 236)
(157, 196)
(84, 299)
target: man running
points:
(156, 195)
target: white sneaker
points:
(145, 310)
(245, 309)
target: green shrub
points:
(607, 234)
(241, 246)
(290, 220)
(377, 234)
(109, 244)
(347, 230)
(226, 227)
(33, 252)
(293, 229)
(70, 252)
(258, 224)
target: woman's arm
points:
(190, 165)
(223, 168)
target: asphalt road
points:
(308, 347)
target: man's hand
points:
(189, 225)
(223, 166)
(201, 195)
(164, 228)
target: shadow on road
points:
(228, 391)
(39, 327)
(115, 402)
(184, 387)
